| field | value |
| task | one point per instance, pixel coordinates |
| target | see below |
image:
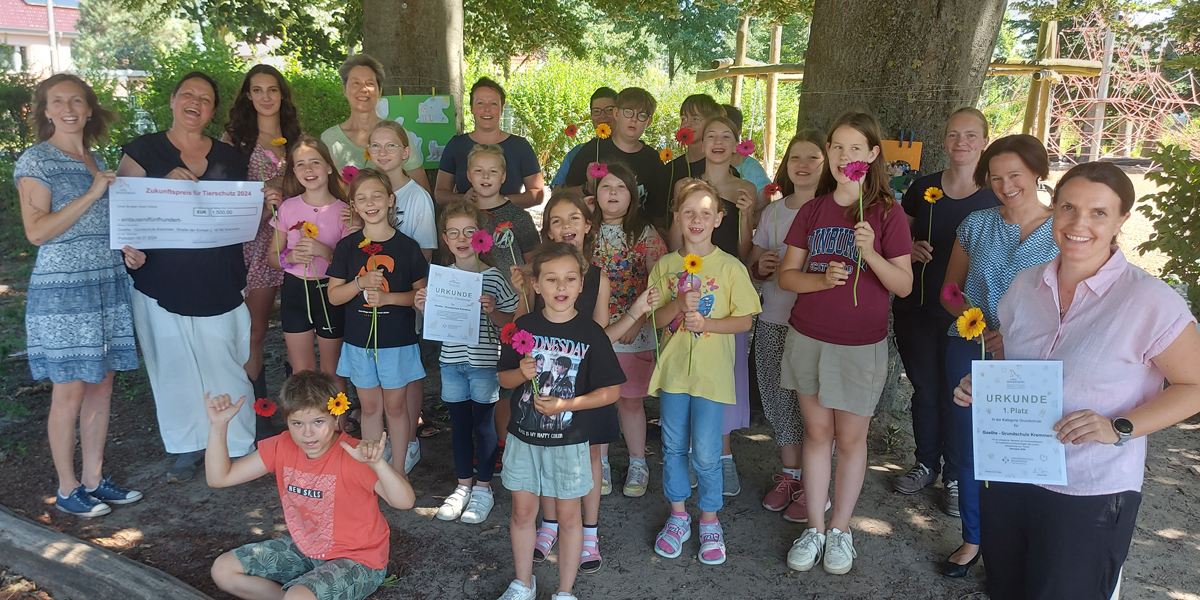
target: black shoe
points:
(957, 571)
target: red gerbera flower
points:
(506, 333)
(571, 130)
(685, 136)
(373, 249)
(771, 189)
(264, 407)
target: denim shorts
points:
(395, 368)
(281, 561)
(462, 382)
(563, 472)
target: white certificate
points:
(452, 305)
(1016, 404)
(151, 213)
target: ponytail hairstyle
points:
(292, 186)
(876, 191)
(462, 209)
(813, 136)
(632, 224)
(369, 174)
(242, 127)
(573, 197)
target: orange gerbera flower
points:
(338, 404)
(666, 155)
(279, 141)
(309, 230)
(603, 131)
(971, 323)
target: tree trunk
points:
(910, 63)
(420, 43)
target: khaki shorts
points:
(848, 378)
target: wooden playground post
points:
(772, 89)
(1037, 105)
(743, 32)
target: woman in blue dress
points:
(78, 325)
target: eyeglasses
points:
(454, 233)
(641, 117)
(608, 110)
(384, 148)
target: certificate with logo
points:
(151, 213)
(452, 306)
(1016, 404)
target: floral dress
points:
(627, 269)
(78, 323)
(264, 166)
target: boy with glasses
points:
(603, 106)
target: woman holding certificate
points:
(1119, 333)
(191, 321)
(991, 247)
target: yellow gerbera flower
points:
(603, 131)
(309, 230)
(338, 404)
(366, 155)
(933, 194)
(666, 155)
(971, 324)
(365, 241)
(279, 141)
(692, 264)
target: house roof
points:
(29, 16)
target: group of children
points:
(643, 281)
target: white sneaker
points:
(807, 550)
(563, 596)
(839, 552)
(517, 591)
(480, 506)
(453, 507)
(412, 457)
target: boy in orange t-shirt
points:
(339, 538)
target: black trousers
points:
(921, 340)
(1042, 545)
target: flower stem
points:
(858, 260)
(307, 301)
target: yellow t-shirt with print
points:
(725, 291)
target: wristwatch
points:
(1124, 429)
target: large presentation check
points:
(151, 213)
(1017, 403)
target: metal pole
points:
(1101, 96)
(53, 36)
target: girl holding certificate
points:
(1119, 333)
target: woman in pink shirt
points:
(1119, 333)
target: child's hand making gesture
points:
(368, 451)
(221, 409)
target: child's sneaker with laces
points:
(712, 543)
(563, 596)
(839, 552)
(605, 479)
(636, 479)
(806, 552)
(480, 506)
(797, 511)
(732, 486)
(81, 504)
(455, 503)
(412, 457)
(780, 496)
(519, 591)
(110, 493)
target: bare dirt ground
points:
(900, 540)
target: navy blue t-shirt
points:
(519, 157)
(948, 213)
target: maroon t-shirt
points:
(822, 228)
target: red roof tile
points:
(16, 14)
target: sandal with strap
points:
(589, 559)
(712, 545)
(546, 538)
(669, 542)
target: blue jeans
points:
(695, 421)
(959, 354)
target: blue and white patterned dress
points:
(78, 323)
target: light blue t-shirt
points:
(560, 176)
(997, 254)
(753, 172)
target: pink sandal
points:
(589, 559)
(546, 538)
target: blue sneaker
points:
(111, 493)
(81, 504)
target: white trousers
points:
(188, 356)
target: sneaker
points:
(81, 504)
(412, 457)
(110, 493)
(712, 544)
(518, 591)
(807, 550)
(732, 486)
(839, 552)
(636, 480)
(480, 506)
(692, 479)
(605, 479)
(914, 480)
(780, 496)
(563, 596)
(184, 468)
(387, 451)
(950, 497)
(453, 507)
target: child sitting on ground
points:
(333, 545)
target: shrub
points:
(1175, 215)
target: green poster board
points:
(428, 119)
